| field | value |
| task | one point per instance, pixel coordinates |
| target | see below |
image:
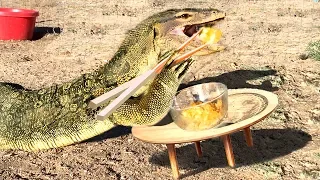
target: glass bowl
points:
(200, 107)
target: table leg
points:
(198, 148)
(228, 149)
(173, 160)
(248, 136)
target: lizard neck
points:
(137, 54)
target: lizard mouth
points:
(189, 30)
(180, 34)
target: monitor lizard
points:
(57, 116)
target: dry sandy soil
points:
(264, 40)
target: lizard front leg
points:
(152, 106)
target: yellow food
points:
(202, 116)
(210, 35)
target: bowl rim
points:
(17, 12)
(216, 97)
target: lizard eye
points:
(184, 16)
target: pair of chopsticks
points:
(125, 91)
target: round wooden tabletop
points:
(245, 108)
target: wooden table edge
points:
(272, 104)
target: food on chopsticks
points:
(210, 35)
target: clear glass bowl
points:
(200, 107)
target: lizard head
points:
(173, 27)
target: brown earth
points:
(264, 40)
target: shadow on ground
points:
(238, 79)
(40, 32)
(233, 80)
(268, 144)
(112, 133)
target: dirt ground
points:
(264, 40)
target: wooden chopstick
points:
(98, 101)
(188, 54)
(127, 90)
(142, 80)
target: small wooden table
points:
(245, 108)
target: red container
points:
(17, 24)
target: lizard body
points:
(59, 115)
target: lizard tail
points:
(47, 141)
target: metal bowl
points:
(200, 107)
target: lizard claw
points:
(181, 69)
